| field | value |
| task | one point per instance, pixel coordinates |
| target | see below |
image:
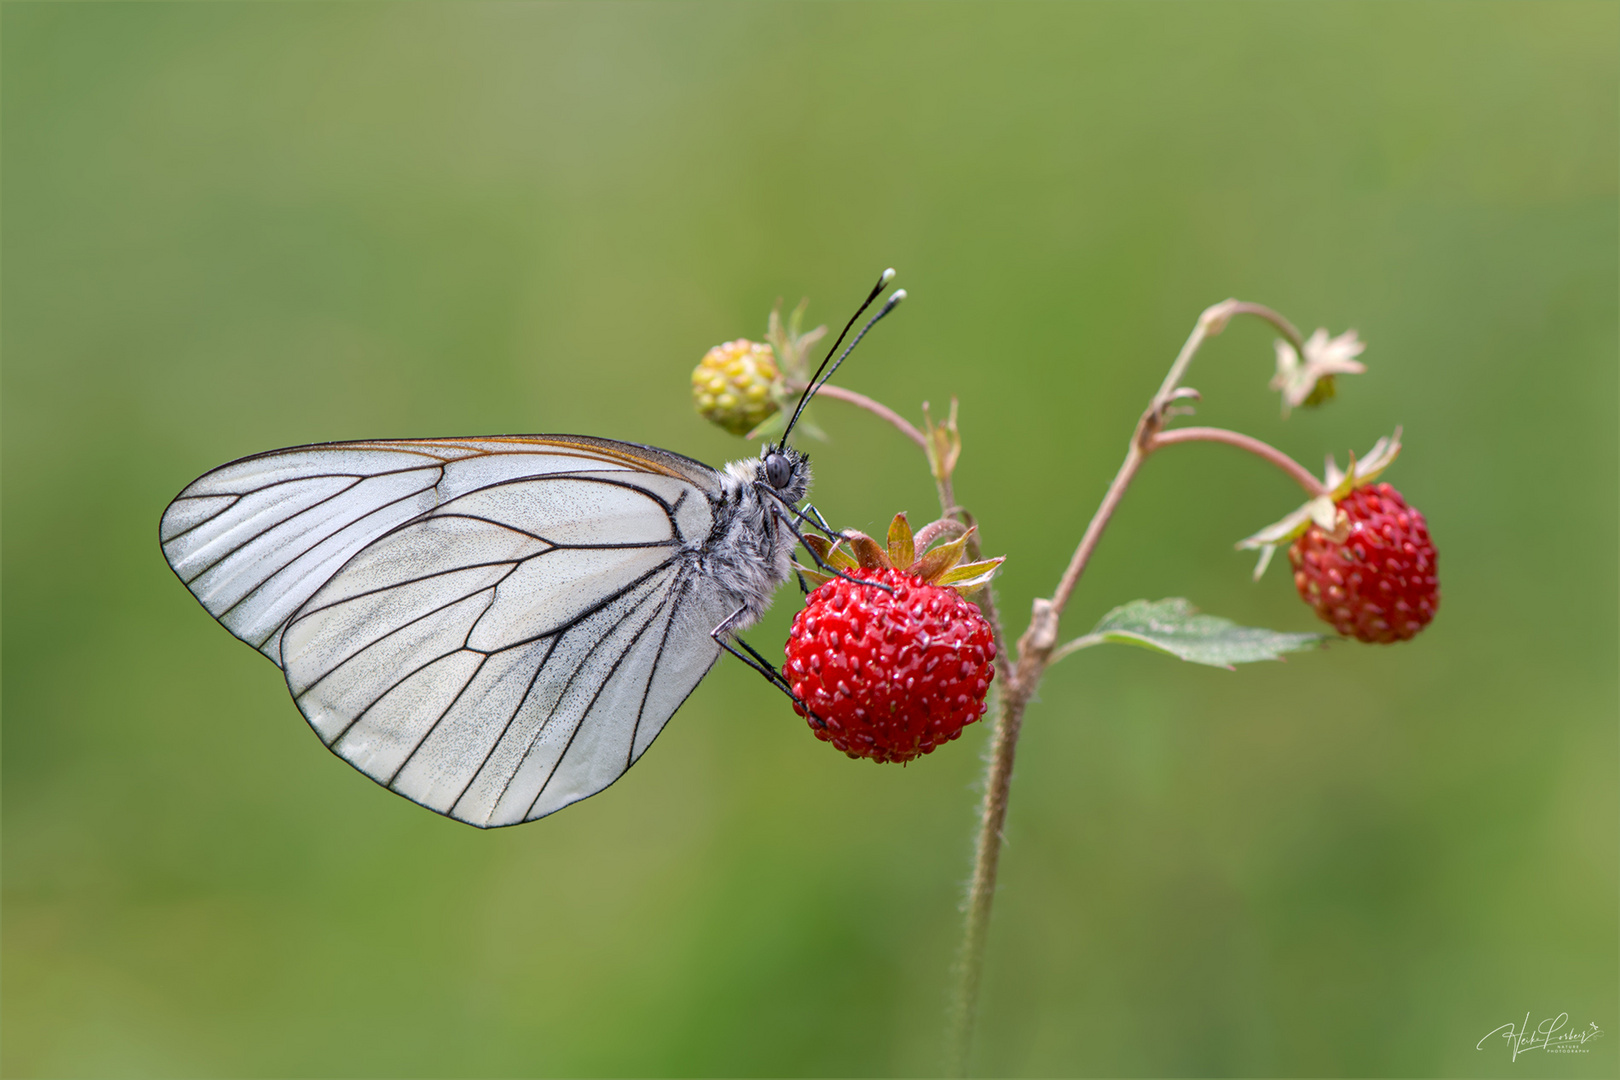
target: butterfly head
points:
(785, 471)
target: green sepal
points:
(790, 347)
(1365, 471)
(1318, 511)
(1323, 511)
(776, 336)
(771, 427)
(815, 578)
(902, 547)
(936, 561)
(869, 554)
(969, 576)
(1177, 628)
(811, 428)
(1325, 390)
(789, 343)
(830, 553)
(943, 442)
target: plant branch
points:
(1019, 678)
(1265, 451)
(1212, 322)
(936, 529)
(1037, 647)
(1099, 521)
(947, 497)
(876, 408)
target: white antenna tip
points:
(896, 296)
(887, 276)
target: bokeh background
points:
(233, 228)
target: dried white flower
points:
(1311, 382)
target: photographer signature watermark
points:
(1553, 1035)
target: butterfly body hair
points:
(749, 551)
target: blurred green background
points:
(233, 228)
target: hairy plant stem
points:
(1038, 643)
(934, 530)
(1019, 677)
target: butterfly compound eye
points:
(778, 470)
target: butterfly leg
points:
(822, 564)
(821, 522)
(813, 516)
(723, 637)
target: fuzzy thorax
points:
(749, 551)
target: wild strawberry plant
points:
(888, 660)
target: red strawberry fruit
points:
(1362, 557)
(1373, 577)
(891, 673)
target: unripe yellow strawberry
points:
(732, 385)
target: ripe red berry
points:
(1377, 583)
(889, 675)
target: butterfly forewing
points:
(492, 628)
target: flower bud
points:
(732, 385)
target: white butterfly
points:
(493, 628)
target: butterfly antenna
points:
(816, 381)
(893, 302)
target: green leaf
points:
(1175, 627)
